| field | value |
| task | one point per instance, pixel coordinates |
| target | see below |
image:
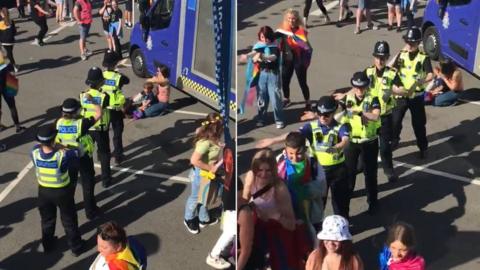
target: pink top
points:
(266, 204)
(411, 262)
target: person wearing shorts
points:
(363, 9)
(394, 11)
(128, 14)
(83, 15)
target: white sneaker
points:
(217, 262)
(36, 42)
(280, 125)
(83, 56)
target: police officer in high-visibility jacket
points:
(99, 131)
(72, 132)
(384, 83)
(327, 139)
(55, 189)
(415, 70)
(362, 112)
(114, 81)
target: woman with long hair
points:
(274, 241)
(206, 160)
(335, 250)
(296, 54)
(446, 86)
(5, 70)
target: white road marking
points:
(142, 172)
(12, 184)
(328, 6)
(188, 112)
(56, 31)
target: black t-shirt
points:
(41, 3)
(116, 16)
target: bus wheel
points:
(431, 43)
(138, 63)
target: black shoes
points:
(49, 245)
(192, 225)
(422, 154)
(392, 178)
(211, 222)
(95, 214)
(372, 209)
(106, 183)
(119, 159)
(79, 249)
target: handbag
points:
(11, 85)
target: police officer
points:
(99, 131)
(72, 132)
(114, 82)
(327, 139)
(55, 189)
(415, 70)
(384, 82)
(362, 112)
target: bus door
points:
(461, 26)
(162, 40)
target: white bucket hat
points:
(334, 228)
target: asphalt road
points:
(438, 195)
(151, 186)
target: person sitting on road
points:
(335, 250)
(143, 100)
(398, 252)
(117, 251)
(446, 85)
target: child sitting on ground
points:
(138, 104)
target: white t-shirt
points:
(99, 264)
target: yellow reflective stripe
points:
(51, 177)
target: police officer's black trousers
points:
(102, 140)
(369, 152)
(87, 174)
(337, 182)
(42, 23)
(419, 120)
(386, 134)
(116, 118)
(48, 201)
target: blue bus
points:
(179, 34)
(451, 29)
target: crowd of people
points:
(283, 197)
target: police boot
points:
(49, 244)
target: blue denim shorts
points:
(84, 29)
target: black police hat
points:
(326, 104)
(360, 79)
(413, 35)
(110, 59)
(70, 105)
(46, 133)
(95, 76)
(381, 49)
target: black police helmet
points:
(360, 79)
(381, 49)
(110, 59)
(326, 104)
(70, 105)
(413, 35)
(94, 77)
(46, 134)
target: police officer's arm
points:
(397, 86)
(271, 141)
(374, 114)
(427, 67)
(123, 81)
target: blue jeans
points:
(268, 89)
(192, 201)
(155, 109)
(445, 99)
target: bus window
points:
(162, 15)
(204, 56)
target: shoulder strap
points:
(262, 191)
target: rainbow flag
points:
(252, 75)
(11, 87)
(298, 41)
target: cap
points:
(326, 104)
(46, 133)
(335, 228)
(360, 79)
(413, 35)
(110, 58)
(381, 49)
(95, 76)
(70, 105)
